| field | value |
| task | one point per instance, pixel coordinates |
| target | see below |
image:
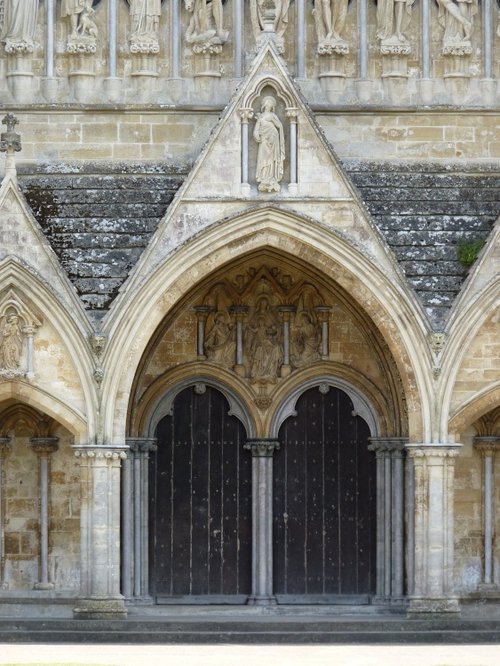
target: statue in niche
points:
(393, 18)
(220, 342)
(20, 19)
(11, 345)
(457, 20)
(83, 30)
(206, 29)
(269, 17)
(264, 350)
(268, 133)
(329, 19)
(144, 26)
(306, 340)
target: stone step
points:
(273, 630)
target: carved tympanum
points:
(263, 324)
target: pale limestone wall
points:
(468, 516)
(178, 137)
(22, 520)
(480, 367)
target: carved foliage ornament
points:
(18, 325)
(263, 325)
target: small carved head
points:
(268, 104)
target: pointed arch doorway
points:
(324, 504)
(200, 502)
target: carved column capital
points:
(427, 451)
(262, 448)
(142, 444)
(245, 114)
(100, 453)
(487, 446)
(292, 113)
(44, 446)
(382, 446)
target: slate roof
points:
(99, 224)
(424, 211)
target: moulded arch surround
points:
(144, 301)
(48, 404)
(362, 406)
(164, 406)
(474, 408)
(272, 82)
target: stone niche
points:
(20, 488)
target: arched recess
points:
(39, 498)
(464, 328)
(362, 405)
(73, 331)
(392, 308)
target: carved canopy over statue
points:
(206, 25)
(19, 25)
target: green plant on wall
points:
(468, 251)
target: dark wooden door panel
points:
(201, 502)
(324, 502)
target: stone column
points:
(4, 452)
(390, 517)
(434, 470)
(286, 313)
(293, 114)
(488, 446)
(44, 447)
(262, 520)
(245, 115)
(100, 532)
(135, 523)
(202, 312)
(239, 312)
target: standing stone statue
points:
(457, 20)
(269, 17)
(393, 18)
(329, 18)
(19, 25)
(144, 24)
(11, 345)
(269, 135)
(205, 27)
(82, 28)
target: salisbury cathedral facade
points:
(249, 305)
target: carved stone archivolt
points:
(18, 326)
(263, 325)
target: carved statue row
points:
(205, 32)
(264, 330)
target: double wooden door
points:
(324, 518)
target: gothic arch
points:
(475, 408)
(47, 403)
(73, 332)
(387, 302)
(158, 400)
(362, 405)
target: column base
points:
(487, 591)
(261, 601)
(433, 606)
(390, 601)
(43, 586)
(100, 609)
